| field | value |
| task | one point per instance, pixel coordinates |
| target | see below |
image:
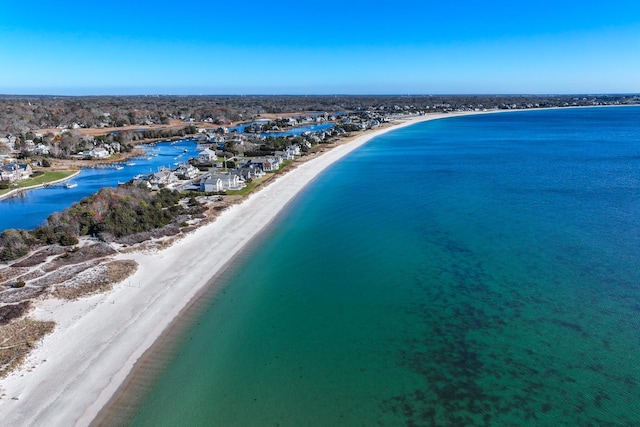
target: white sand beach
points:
(75, 370)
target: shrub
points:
(9, 254)
(68, 239)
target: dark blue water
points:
(31, 208)
(296, 131)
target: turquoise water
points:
(470, 271)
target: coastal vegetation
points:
(108, 215)
(17, 338)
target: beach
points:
(74, 372)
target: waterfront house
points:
(163, 178)
(186, 171)
(267, 164)
(283, 155)
(13, 172)
(211, 184)
(293, 149)
(98, 153)
(249, 172)
(207, 155)
(221, 182)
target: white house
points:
(41, 149)
(222, 182)
(211, 184)
(284, 155)
(294, 149)
(186, 171)
(207, 155)
(98, 153)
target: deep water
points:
(479, 270)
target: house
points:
(267, 164)
(284, 155)
(221, 182)
(211, 184)
(294, 150)
(207, 155)
(7, 174)
(248, 172)
(41, 150)
(163, 178)
(186, 171)
(29, 145)
(98, 153)
(15, 172)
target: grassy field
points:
(49, 176)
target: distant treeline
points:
(19, 114)
(164, 133)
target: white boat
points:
(119, 168)
(130, 163)
(70, 185)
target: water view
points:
(479, 270)
(31, 208)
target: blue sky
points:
(326, 47)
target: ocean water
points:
(476, 271)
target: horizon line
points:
(6, 95)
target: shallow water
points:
(477, 270)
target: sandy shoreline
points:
(74, 372)
(78, 369)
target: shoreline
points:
(17, 191)
(84, 364)
(76, 370)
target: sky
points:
(314, 48)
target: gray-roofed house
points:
(222, 182)
(207, 155)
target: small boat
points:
(119, 167)
(130, 163)
(70, 185)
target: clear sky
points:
(323, 47)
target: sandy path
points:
(75, 370)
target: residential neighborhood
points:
(228, 157)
